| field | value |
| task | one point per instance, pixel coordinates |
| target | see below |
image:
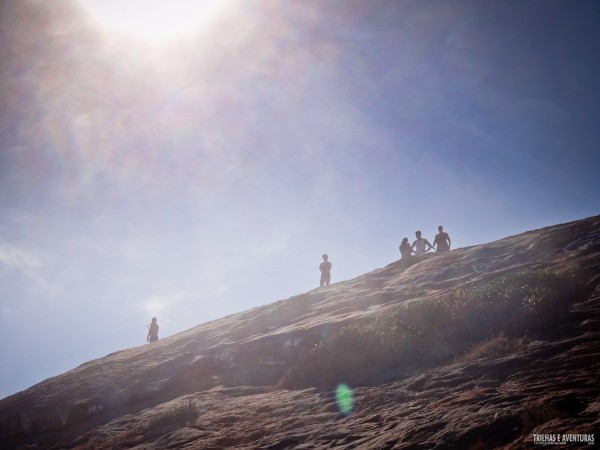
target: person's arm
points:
(449, 241)
(430, 246)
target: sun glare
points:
(152, 19)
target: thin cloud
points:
(16, 258)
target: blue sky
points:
(190, 176)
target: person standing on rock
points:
(152, 331)
(442, 241)
(421, 245)
(406, 250)
(325, 268)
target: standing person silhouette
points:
(325, 268)
(442, 241)
(421, 245)
(405, 249)
(152, 331)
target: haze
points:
(205, 173)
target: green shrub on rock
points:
(429, 332)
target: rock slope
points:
(219, 385)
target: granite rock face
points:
(219, 385)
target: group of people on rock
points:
(441, 243)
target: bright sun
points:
(152, 19)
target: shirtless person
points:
(442, 241)
(325, 268)
(421, 245)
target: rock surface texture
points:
(222, 384)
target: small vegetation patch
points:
(182, 415)
(495, 347)
(430, 332)
(533, 416)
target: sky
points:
(196, 161)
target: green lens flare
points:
(344, 398)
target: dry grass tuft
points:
(496, 347)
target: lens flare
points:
(344, 398)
